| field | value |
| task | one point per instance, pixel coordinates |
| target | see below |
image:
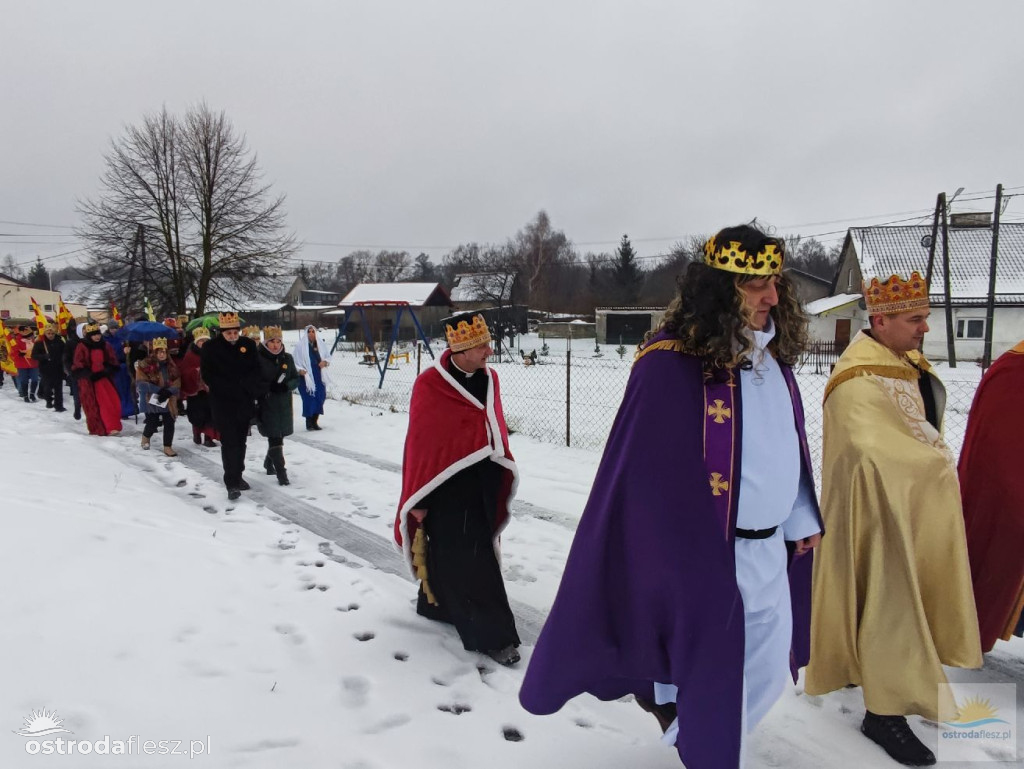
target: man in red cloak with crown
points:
(891, 599)
(992, 488)
(458, 479)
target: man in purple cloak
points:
(688, 582)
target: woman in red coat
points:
(94, 366)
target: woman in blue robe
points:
(312, 355)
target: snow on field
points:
(280, 630)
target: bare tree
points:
(182, 215)
(392, 266)
(239, 229)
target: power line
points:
(37, 224)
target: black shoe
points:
(207, 441)
(60, 410)
(25, 398)
(78, 414)
(268, 465)
(49, 404)
(665, 714)
(32, 398)
(282, 477)
(243, 485)
(894, 735)
(507, 656)
(234, 493)
(196, 439)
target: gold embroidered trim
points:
(890, 372)
(672, 345)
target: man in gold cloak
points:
(892, 598)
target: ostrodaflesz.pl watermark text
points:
(41, 726)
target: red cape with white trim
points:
(449, 430)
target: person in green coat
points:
(274, 417)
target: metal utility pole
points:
(990, 307)
(950, 347)
(940, 205)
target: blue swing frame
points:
(382, 366)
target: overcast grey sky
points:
(419, 124)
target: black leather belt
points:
(755, 533)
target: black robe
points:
(465, 576)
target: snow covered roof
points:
(91, 293)
(483, 286)
(415, 294)
(881, 251)
(828, 303)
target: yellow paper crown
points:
(160, 343)
(272, 332)
(253, 332)
(732, 257)
(201, 332)
(228, 320)
(90, 328)
(894, 294)
(53, 326)
(182, 320)
(465, 335)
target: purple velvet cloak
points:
(649, 590)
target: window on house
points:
(47, 308)
(970, 328)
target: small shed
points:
(626, 325)
(430, 301)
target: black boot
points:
(276, 456)
(893, 734)
(196, 436)
(268, 463)
(316, 423)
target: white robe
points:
(773, 492)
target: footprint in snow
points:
(354, 691)
(350, 607)
(512, 734)
(401, 656)
(210, 509)
(455, 709)
(364, 636)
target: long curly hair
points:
(711, 319)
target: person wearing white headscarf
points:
(312, 355)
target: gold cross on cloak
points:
(718, 484)
(719, 412)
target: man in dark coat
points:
(49, 352)
(458, 478)
(231, 369)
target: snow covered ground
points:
(281, 630)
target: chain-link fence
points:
(571, 395)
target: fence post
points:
(568, 388)
(419, 356)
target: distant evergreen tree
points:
(38, 277)
(628, 277)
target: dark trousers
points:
(153, 424)
(28, 380)
(466, 579)
(233, 434)
(51, 389)
(73, 384)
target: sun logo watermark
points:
(985, 725)
(40, 723)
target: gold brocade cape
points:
(892, 598)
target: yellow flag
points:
(7, 359)
(40, 318)
(64, 316)
(149, 310)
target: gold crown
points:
(228, 320)
(90, 328)
(182, 320)
(465, 335)
(51, 327)
(732, 257)
(895, 295)
(159, 343)
(200, 332)
(253, 332)
(272, 332)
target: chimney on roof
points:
(972, 219)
